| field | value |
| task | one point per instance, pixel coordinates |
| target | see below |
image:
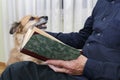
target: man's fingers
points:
(58, 63)
(58, 69)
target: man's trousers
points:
(30, 71)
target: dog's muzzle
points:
(41, 24)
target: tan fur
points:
(19, 30)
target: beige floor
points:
(2, 67)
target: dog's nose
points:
(45, 17)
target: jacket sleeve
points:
(96, 70)
(76, 39)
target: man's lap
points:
(31, 71)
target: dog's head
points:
(28, 22)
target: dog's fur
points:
(19, 30)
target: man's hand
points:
(73, 67)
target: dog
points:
(18, 30)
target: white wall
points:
(2, 56)
(67, 19)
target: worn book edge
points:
(31, 31)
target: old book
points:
(43, 46)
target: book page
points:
(46, 34)
(30, 33)
(27, 37)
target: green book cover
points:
(44, 48)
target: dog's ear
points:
(14, 27)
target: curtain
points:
(63, 15)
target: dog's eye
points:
(32, 18)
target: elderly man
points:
(100, 42)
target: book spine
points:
(27, 52)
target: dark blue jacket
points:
(100, 41)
